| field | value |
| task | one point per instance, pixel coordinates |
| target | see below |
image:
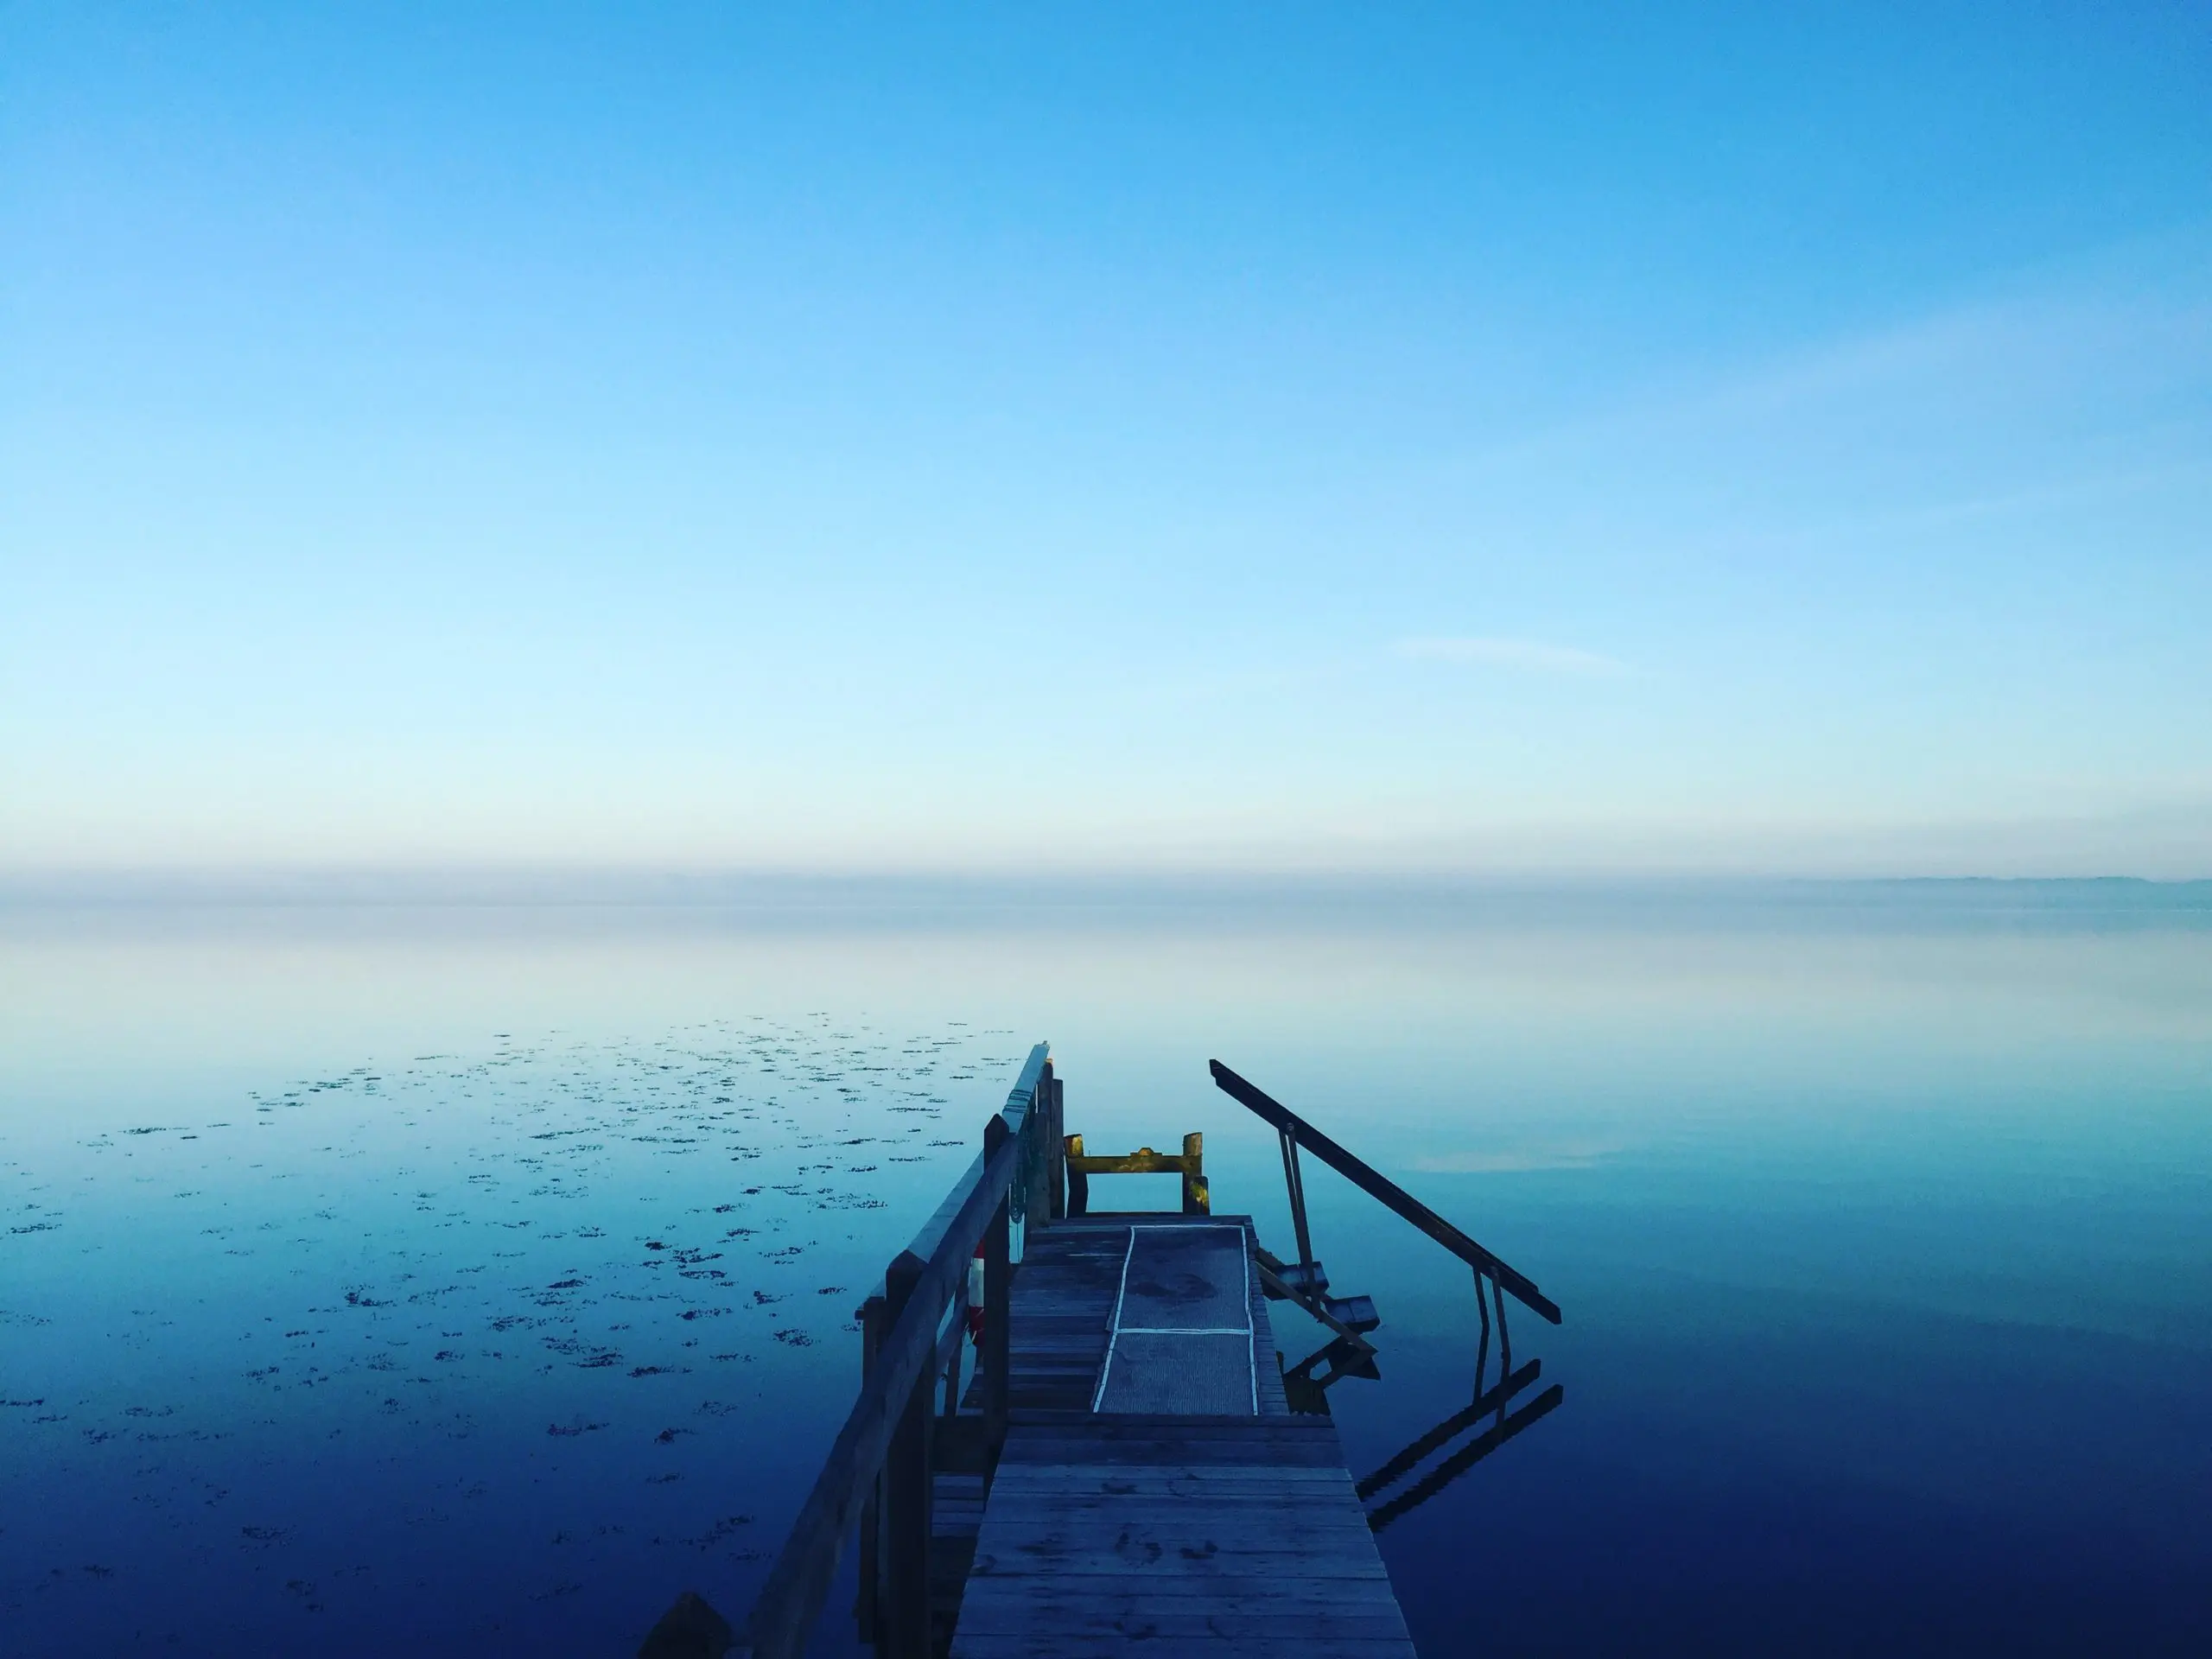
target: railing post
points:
(1198, 1199)
(996, 1357)
(868, 1606)
(904, 1613)
(1036, 1162)
(1293, 1181)
(1079, 1183)
(1482, 1343)
(950, 1375)
(1504, 1339)
(1056, 1127)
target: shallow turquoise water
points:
(350, 1250)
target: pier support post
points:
(1037, 1156)
(1198, 1197)
(1056, 1128)
(1079, 1183)
(903, 1610)
(997, 1354)
(867, 1609)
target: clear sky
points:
(1773, 438)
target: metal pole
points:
(1482, 1344)
(1291, 1179)
(1504, 1341)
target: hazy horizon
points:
(55, 904)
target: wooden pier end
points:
(1122, 1471)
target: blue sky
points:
(1332, 437)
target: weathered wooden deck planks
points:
(1163, 1534)
(1063, 1306)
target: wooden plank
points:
(1275, 1562)
(1143, 1524)
(1232, 1558)
(1161, 1533)
(1131, 1456)
(1138, 1533)
(1168, 1586)
(1292, 1447)
(1205, 1433)
(1323, 1492)
(1107, 1427)
(1143, 1161)
(1017, 1615)
(1141, 1534)
(1170, 1482)
(996, 1645)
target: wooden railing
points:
(878, 1475)
(1296, 1133)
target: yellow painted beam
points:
(1190, 1164)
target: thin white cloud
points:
(1530, 656)
(1559, 1154)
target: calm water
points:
(383, 1278)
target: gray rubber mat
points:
(1185, 1279)
(1182, 1326)
(1189, 1373)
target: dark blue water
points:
(474, 1281)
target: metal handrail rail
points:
(1382, 1188)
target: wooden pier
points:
(1128, 1465)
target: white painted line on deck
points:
(1117, 1330)
(1114, 1328)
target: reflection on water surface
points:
(379, 1277)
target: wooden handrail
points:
(1021, 1102)
(791, 1599)
(1381, 1187)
